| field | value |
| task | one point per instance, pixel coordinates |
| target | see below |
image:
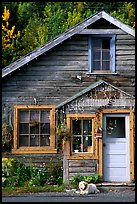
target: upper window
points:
(101, 54)
(34, 128)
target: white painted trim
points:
(118, 23)
(127, 140)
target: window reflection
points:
(82, 135)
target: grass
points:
(35, 189)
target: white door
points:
(116, 162)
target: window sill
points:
(34, 151)
(101, 73)
(83, 155)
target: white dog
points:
(86, 188)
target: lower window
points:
(34, 127)
(82, 135)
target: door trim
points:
(116, 141)
(131, 139)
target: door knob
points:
(104, 144)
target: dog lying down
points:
(87, 188)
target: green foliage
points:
(127, 14)
(49, 19)
(74, 181)
(31, 39)
(32, 189)
(16, 173)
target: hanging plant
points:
(62, 132)
(34, 123)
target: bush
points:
(17, 174)
(74, 180)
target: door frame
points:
(131, 140)
(114, 140)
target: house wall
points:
(52, 77)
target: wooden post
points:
(65, 163)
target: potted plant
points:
(34, 123)
(62, 132)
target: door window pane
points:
(115, 127)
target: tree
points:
(34, 35)
(9, 40)
(49, 19)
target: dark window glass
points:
(101, 54)
(34, 128)
(82, 135)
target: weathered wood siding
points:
(82, 167)
(38, 159)
(52, 78)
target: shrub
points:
(74, 180)
(17, 173)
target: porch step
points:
(115, 186)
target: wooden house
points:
(84, 81)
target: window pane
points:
(101, 54)
(106, 55)
(45, 128)
(115, 127)
(87, 127)
(24, 116)
(96, 65)
(45, 116)
(77, 127)
(34, 115)
(97, 43)
(44, 140)
(96, 55)
(34, 140)
(105, 43)
(34, 130)
(34, 127)
(23, 140)
(77, 144)
(105, 65)
(87, 141)
(24, 128)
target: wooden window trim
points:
(24, 150)
(82, 155)
(112, 54)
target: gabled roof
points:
(89, 88)
(62, 37)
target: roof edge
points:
(88, 89)
(63, 36)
